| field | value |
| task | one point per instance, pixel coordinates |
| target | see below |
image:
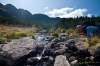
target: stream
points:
(41, 39)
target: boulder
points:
(69, 42)
(82, 46)
(71, 45)
(59, 52)
(50, 38)
(16, 49)
(95, 50)
(61, 61)
(32, 61)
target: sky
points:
(58, 8)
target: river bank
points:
(30, 52)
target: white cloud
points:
(46, 8)
(66, 12)
(89, 15)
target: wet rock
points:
(87, 59)
(40, 38)
(45, 58)
(40, 46)
(61, 61)
(91, 58)
(74, 63)
(52, 44)
(50, 38)
(72, 58)
(32, 61)
(57, 48)
(59, 52)
(56, 40)
(58, 45)
(46, 52)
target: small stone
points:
(74, 63)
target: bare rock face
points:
(61, 61)
(15, 49)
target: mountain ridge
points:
(26, 15)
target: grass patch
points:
(93, 41)
(2, 40)
(14, 32)
(55, 34)
(17, 35)
(71, 31)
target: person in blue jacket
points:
(88, 27)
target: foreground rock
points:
(61, 61)
(95, 52)
(16, 49)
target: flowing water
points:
(41, 39)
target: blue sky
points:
(58, 8)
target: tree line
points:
(66, 23)
(22, 23)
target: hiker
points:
(88, 28)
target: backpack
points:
(98, 28)
(87, 23)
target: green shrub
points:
(70, 31)
(93, 41)
(17, 35)
(2, 40)
(55, 34)
(8, 36)
(73, 36)
(33, 37)
(62, 30)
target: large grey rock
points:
(16, 49)
(71, 45)
(82, 46)
(69, 42)
(95, 50)
(50, 38)
(61, 61)
(60, 51)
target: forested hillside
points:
(11, 11)
(22, 23)
(67, 23)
